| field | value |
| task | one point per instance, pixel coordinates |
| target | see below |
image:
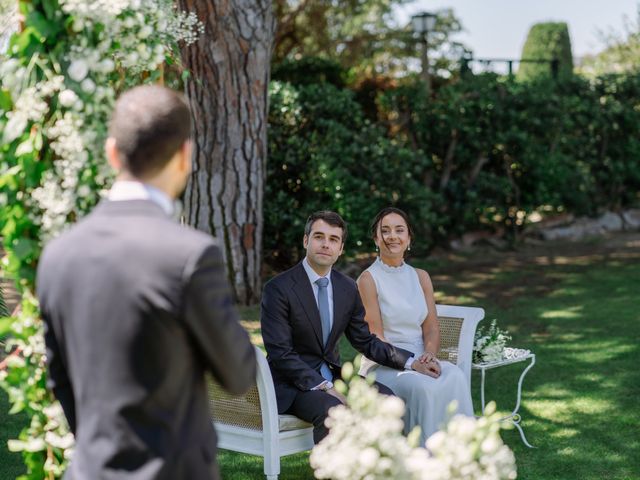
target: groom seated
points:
(304, 312)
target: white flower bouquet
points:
(365, 442)
(489, 345)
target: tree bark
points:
(228, 94)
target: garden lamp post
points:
(423, 23)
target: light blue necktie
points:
(323, 306)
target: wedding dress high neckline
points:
(390, 268)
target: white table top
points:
(511, 355)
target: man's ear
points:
(305, 241)
(185, 156)
(111, 151)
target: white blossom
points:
(78, 70)
(67, 98)
(365, 442)
(489, 347)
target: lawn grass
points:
(11, 465)
(576, 307)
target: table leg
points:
(482, 389)
(515, 416)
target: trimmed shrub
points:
(547, 41)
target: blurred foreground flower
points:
(366, 442)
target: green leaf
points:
(23, 43)
(44, 28)
(23, 247)
(9, 176)
(47, 30)
(5, 326)
(6, 103)
(50, 8)
(16, 408)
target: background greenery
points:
(482, 153)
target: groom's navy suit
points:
(292, 333)
(137, 308)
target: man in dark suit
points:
(137, 309)
(304, 312)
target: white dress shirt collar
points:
(133, 190)
(311, 273)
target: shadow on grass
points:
(580, 400)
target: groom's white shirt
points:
(133, 190)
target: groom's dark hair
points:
(149, 124)
(332, 218)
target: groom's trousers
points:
(313, 406)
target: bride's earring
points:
(377, 249)
(409, 248)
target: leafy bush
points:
(309, 70)
(482, 154)
(325, 155)
(501, 150)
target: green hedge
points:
(325, 155)
(482, 153)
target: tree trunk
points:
(228, 95)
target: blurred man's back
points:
(137, 308)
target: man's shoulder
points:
(286, 277)
(342, 280)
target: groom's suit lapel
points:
(304, 291)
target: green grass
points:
(11, 464)
(577, 308)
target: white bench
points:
(250, 423)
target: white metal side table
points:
(511, 355)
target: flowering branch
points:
(58, 84)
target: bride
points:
(400, 308)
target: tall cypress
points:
(547, 41)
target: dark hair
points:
(383, 213)
(149, 124)
(332, 218)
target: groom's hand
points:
(333, 392)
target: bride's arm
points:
(369, 295)
(430, 326)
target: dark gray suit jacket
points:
(136, 309)
(292, 332)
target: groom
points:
(304, 312)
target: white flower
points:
(67, 98)
(78, 70)
(107, 65)
(14, 127)
(145, 32)
(368, 458)
(88, 85)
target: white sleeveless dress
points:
(404, 309)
